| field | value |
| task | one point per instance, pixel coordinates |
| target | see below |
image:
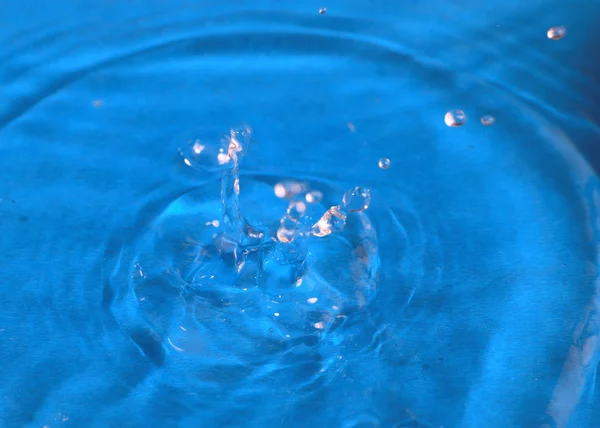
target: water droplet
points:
(296, 210)
(223, 158)
(384, 163)
(288, 223)
(455, 118)
(314, 197)
(137, 272)
(322, 10)
(288, 189)
(333, 221)
(556, 33)
(487, 120)
(286, 235)
(356, 199)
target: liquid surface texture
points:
(260, 213)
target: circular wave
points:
(473, 234)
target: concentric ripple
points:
(364, 265)
(198, 297)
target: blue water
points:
(465, 295)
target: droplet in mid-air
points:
(384, 163)
(322, 10)
(333, 221)
(556, 33)
(296, 210)
(455, 118)
(288, 225)
(356, 199)
(487, 120)
(314, 197)
(288, 189)
(285, 235)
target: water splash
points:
(239, 236)
(284, 266)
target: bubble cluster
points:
(487, 120)
(556, 33)
(384, 163)
(455, 118)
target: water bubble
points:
(556, 33)
(487, 120)
(322, 10)
(333, 221)
(384, 163)
(314, 197)
(356, 199)
(455, 118)
(288, 189)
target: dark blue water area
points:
(139, 289)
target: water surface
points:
(466, 295)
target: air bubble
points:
(356, 199)
(455, 118)
(556, 33)
(322, 10)
(384, 163)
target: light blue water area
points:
(254, 213)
